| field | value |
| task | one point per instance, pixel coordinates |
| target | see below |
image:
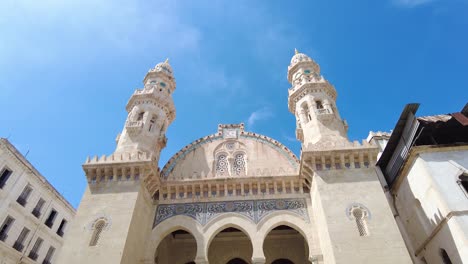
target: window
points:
(23, 198)
(33, 253)
(4, 176)
(463, 181)
(445, 257)
(222, 165)
(37, 209)
(61, 227)
(319, 104)
(5, 228)
(140, 116)
(49, 255)
(19, 243)
(360, 218)
(50, 220)
(98, 227)
(239, 164)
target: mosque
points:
(236, 196)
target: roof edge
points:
(392, 144)
(28, 165)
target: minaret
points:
(313, 100)
(150, 111)
(116, 212)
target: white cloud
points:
(261, 114)
(411, 3)
(48, 31)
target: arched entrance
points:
(177, 247)
(231, 246)
(237, 261)
(285, 245)
(282, 261)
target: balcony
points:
(3, 237)
(323, 111)
(18, 246)
(60, 233)
(46, 262)
(134, 127)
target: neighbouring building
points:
(235, 196)
(425, 172)
(34, 217)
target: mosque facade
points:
(235, 196)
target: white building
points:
(235, 196)
(425, 169)
(34, 217)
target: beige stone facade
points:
(235, 196)
(34, 217)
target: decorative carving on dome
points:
(227, 147)
(230, 159)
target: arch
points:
(237, 261)
(282, 261)
(179, 222)
(287, 219)
(228, 220)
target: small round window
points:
(162, 84)
(307, 71)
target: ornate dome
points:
(300, 57)
(163, 67)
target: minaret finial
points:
(167, 60)
(296, 51)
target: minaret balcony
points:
(323, 111)
(134, 127)
(324, 114)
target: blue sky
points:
(67, 68)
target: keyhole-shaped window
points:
(239, 164)
(360, 218)
(98, 228)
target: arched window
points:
(305, 108)
(239, 164)
(445, 257)
(319, 104)
(222, 165)
(140, 116)
(360, 216)
(98, 228)
(151, 124)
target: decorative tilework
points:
(255, 210)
